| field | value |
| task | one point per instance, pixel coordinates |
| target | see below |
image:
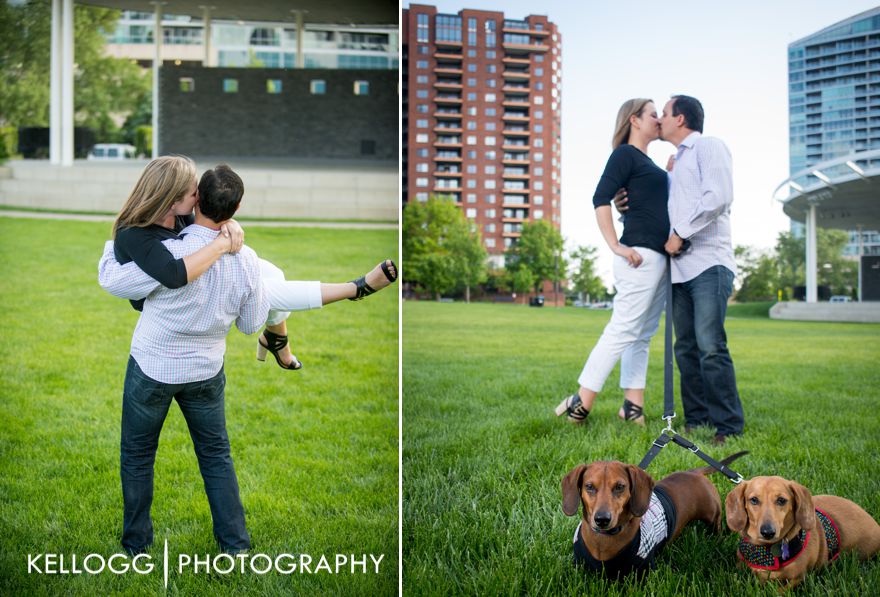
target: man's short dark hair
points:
(691, 109)
(220, 192)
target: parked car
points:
(839, 298)
(112, 151)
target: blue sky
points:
(730, 55)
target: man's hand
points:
(234, 232)
(670, 163)
(673, 244)
(620, 200)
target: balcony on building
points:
(448, 170)
(448, 155)
(516, 131)
(448, 141)
(447, 186)
(515, 158)
(447, 114)
(446, 70)
(447, 84)
(515, 116)
(513, 173)
(515, 201)
(521, 42)
(514, 61)
(516, 75)
(514, 27)
(447, 98)
(445, 127)
(447, 56)
(515, 102)
(516, 88)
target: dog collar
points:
(773, 557)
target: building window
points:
(490, 112)
(490, 227)
(422, 123)
(538, 157)
(472, 140)
(539, 171)
(472, 68)
(273, 86)
(538, 114)
(491, 82)
(421, 196)
(539, 72)
(472, 53)
(490, 154)
(539, 58)
(471, 198)
(472, 169)
(422, 28)
(472, 111)
(490, 140)
(421, 138)
(421, 64)
(490, 243)
(421, 167)
(421, 152)
(362, 88)
(263, 36)
(472, 184)
(422, 93)
(471, 212)
(538, 199)
(490, 126)
(472, 97)
(490, 213)
(472, 125)
(424, 50)
(490, 199)
(489, 184)
(472, 31)
(539, 128)
(490, 35)
(422, 108)
(471, 154)
(538, 214)
(422, 79)
(317, 87)
(421, 182)
(539, 86)
(489, 170)
(490, 97)
(491, 68)
(472, 82)
(448, 28)
(538, 185)
(538, 143)
(539, 99)
(187, 84)
(230, 85)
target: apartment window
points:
(362, 88)
(538, 114)
(538, 214)
(472, 140)
(491, 68)
(491, 82)
(490, 97)
(490, 154)
(490, 140)
(539, 86)
(422, 93)
(489, 184)
(472, 53)
(421, 64)
(472, 125)
(471, 212)
(448, 28)
(421, 196)
(538, 143)
(472, 111)
(422, 79)
(421, 167)
(489, 170)
(422, 108)
(472, 184)
(538, 157)
(472, 82)
(421, 138)
(490, 112)
(421, 182)
(472, 96)
(489, 242)
(423, 50)
(471, 197)
(538, 128)
(538, 185)
(538, 199)
(490, 213)
(422, 28)
(472, 169)
(230, 85)
(539, 99)
(490, 199)
(490, 54)
(187, 84)
(539, 72)
(422, 123)
(472, 68)
(472, 31)
(490, 227)
(538, 171)
(421, 152)
(273, 86)
(539, 57)
(490, 35)
(471, 154)
(490, 126)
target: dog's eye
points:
(619, 487)
(781, 501)
(754, 501)
(589, 488)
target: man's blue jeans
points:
(708, 381)
(145, 404)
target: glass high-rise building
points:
(834, 100)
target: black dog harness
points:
(655, 529)
(779, 555)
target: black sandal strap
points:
(392, 276)
(275, 341)
(575, 409)
(631, 411)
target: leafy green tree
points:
(835, 270)
(538, 250)
(103, 86)
(584, 279)
(760, 275)
(441, 250)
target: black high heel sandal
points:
(275, 344)
(573, 408)
(632, 412)
(364, 290)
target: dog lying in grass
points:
(627, 519)
(787, 532)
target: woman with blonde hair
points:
(639, 264)
(161, 205)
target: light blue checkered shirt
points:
(181, 334)
(700, 195)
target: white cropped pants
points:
(640, 298)
(286, 295)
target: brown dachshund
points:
(627, 518)
(786, 531)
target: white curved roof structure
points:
(844, 190)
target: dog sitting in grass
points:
(627, 519)
(787, 532)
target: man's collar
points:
(690, 140)
(200, 231)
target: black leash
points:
(669, 434)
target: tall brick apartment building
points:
(481, 117)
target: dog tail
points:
(705, 470)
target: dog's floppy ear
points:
(804, 513)
(571, 489)
(641, 485)
(734, 503)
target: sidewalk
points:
(245, 223)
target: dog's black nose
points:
(767, 531)
(602, 519)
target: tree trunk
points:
(467, 294)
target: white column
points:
(859, 230)
(206, 18)
(810, 267)
(55, 86)
(300, 29)
(67, 83)
(157, 62)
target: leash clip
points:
(669, 423)
(739, 479)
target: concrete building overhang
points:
(845, 192)
(370, 12)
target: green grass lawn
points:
(484, 454)
(316, 450)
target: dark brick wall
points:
(294, 123)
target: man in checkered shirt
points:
(177, 352)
